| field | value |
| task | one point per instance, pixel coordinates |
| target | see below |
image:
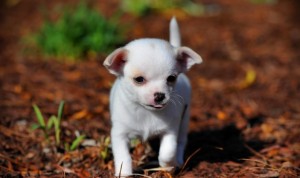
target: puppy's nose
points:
(159, 97)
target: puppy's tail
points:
(174, 33)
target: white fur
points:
(134, 109)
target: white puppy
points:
(150, 97)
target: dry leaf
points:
(80, 115)
(221, 115)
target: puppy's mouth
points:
(157, 106)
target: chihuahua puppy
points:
(150, 97)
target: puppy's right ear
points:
(116, 61)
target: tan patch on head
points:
(136, 73)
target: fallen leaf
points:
(267, 129)
(30, 155)
(221, 115)
(80, 115)
(248, 80)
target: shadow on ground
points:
(221, 145)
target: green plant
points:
(142, 7)
(53, 121)
(136, 7)
(104, 144)
(78, 33)
(264, 1)
(41, 122)
(76, 142)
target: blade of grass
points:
(56, 129)
(50, 122)
(60, 110)
(39, 116)
(76, 142)
(35, 126)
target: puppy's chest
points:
(148, 124)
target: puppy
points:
(150, 97)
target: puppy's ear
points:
(116, 61)
(186, 58)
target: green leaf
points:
(57, 129)
(50, 122)
(39, 116)
(60, 110)
(107, 141)
(264, 1)
(77, 32)
(136, 7)
(57, 137)
(77, 142)
(104, 153)
(56, 124)
(194, 8)
(35, 126)
(134, 142)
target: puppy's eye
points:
(171, 79)
(139, 80)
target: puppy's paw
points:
(124, 168)
(123, 174)
(167, 161)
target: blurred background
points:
(246, 100)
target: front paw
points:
(123, 172)
(167, 161)
(123, 168)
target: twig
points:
(142, 175)
(255, 152)
(256, 160)
(120, 169)
(188, 159)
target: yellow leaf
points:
(248, 80)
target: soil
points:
(245, 115)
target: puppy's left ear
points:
(186, 58)
(116, 61)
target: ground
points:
(245, 116)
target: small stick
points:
(193, 154)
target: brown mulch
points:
(245, 119)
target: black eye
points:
(139, 80)
(171, 78)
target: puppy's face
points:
(148, 69)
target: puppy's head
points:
(148, 69)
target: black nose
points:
(159, 97)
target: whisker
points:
(172, 101)
(179, 102)
(177, 98)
